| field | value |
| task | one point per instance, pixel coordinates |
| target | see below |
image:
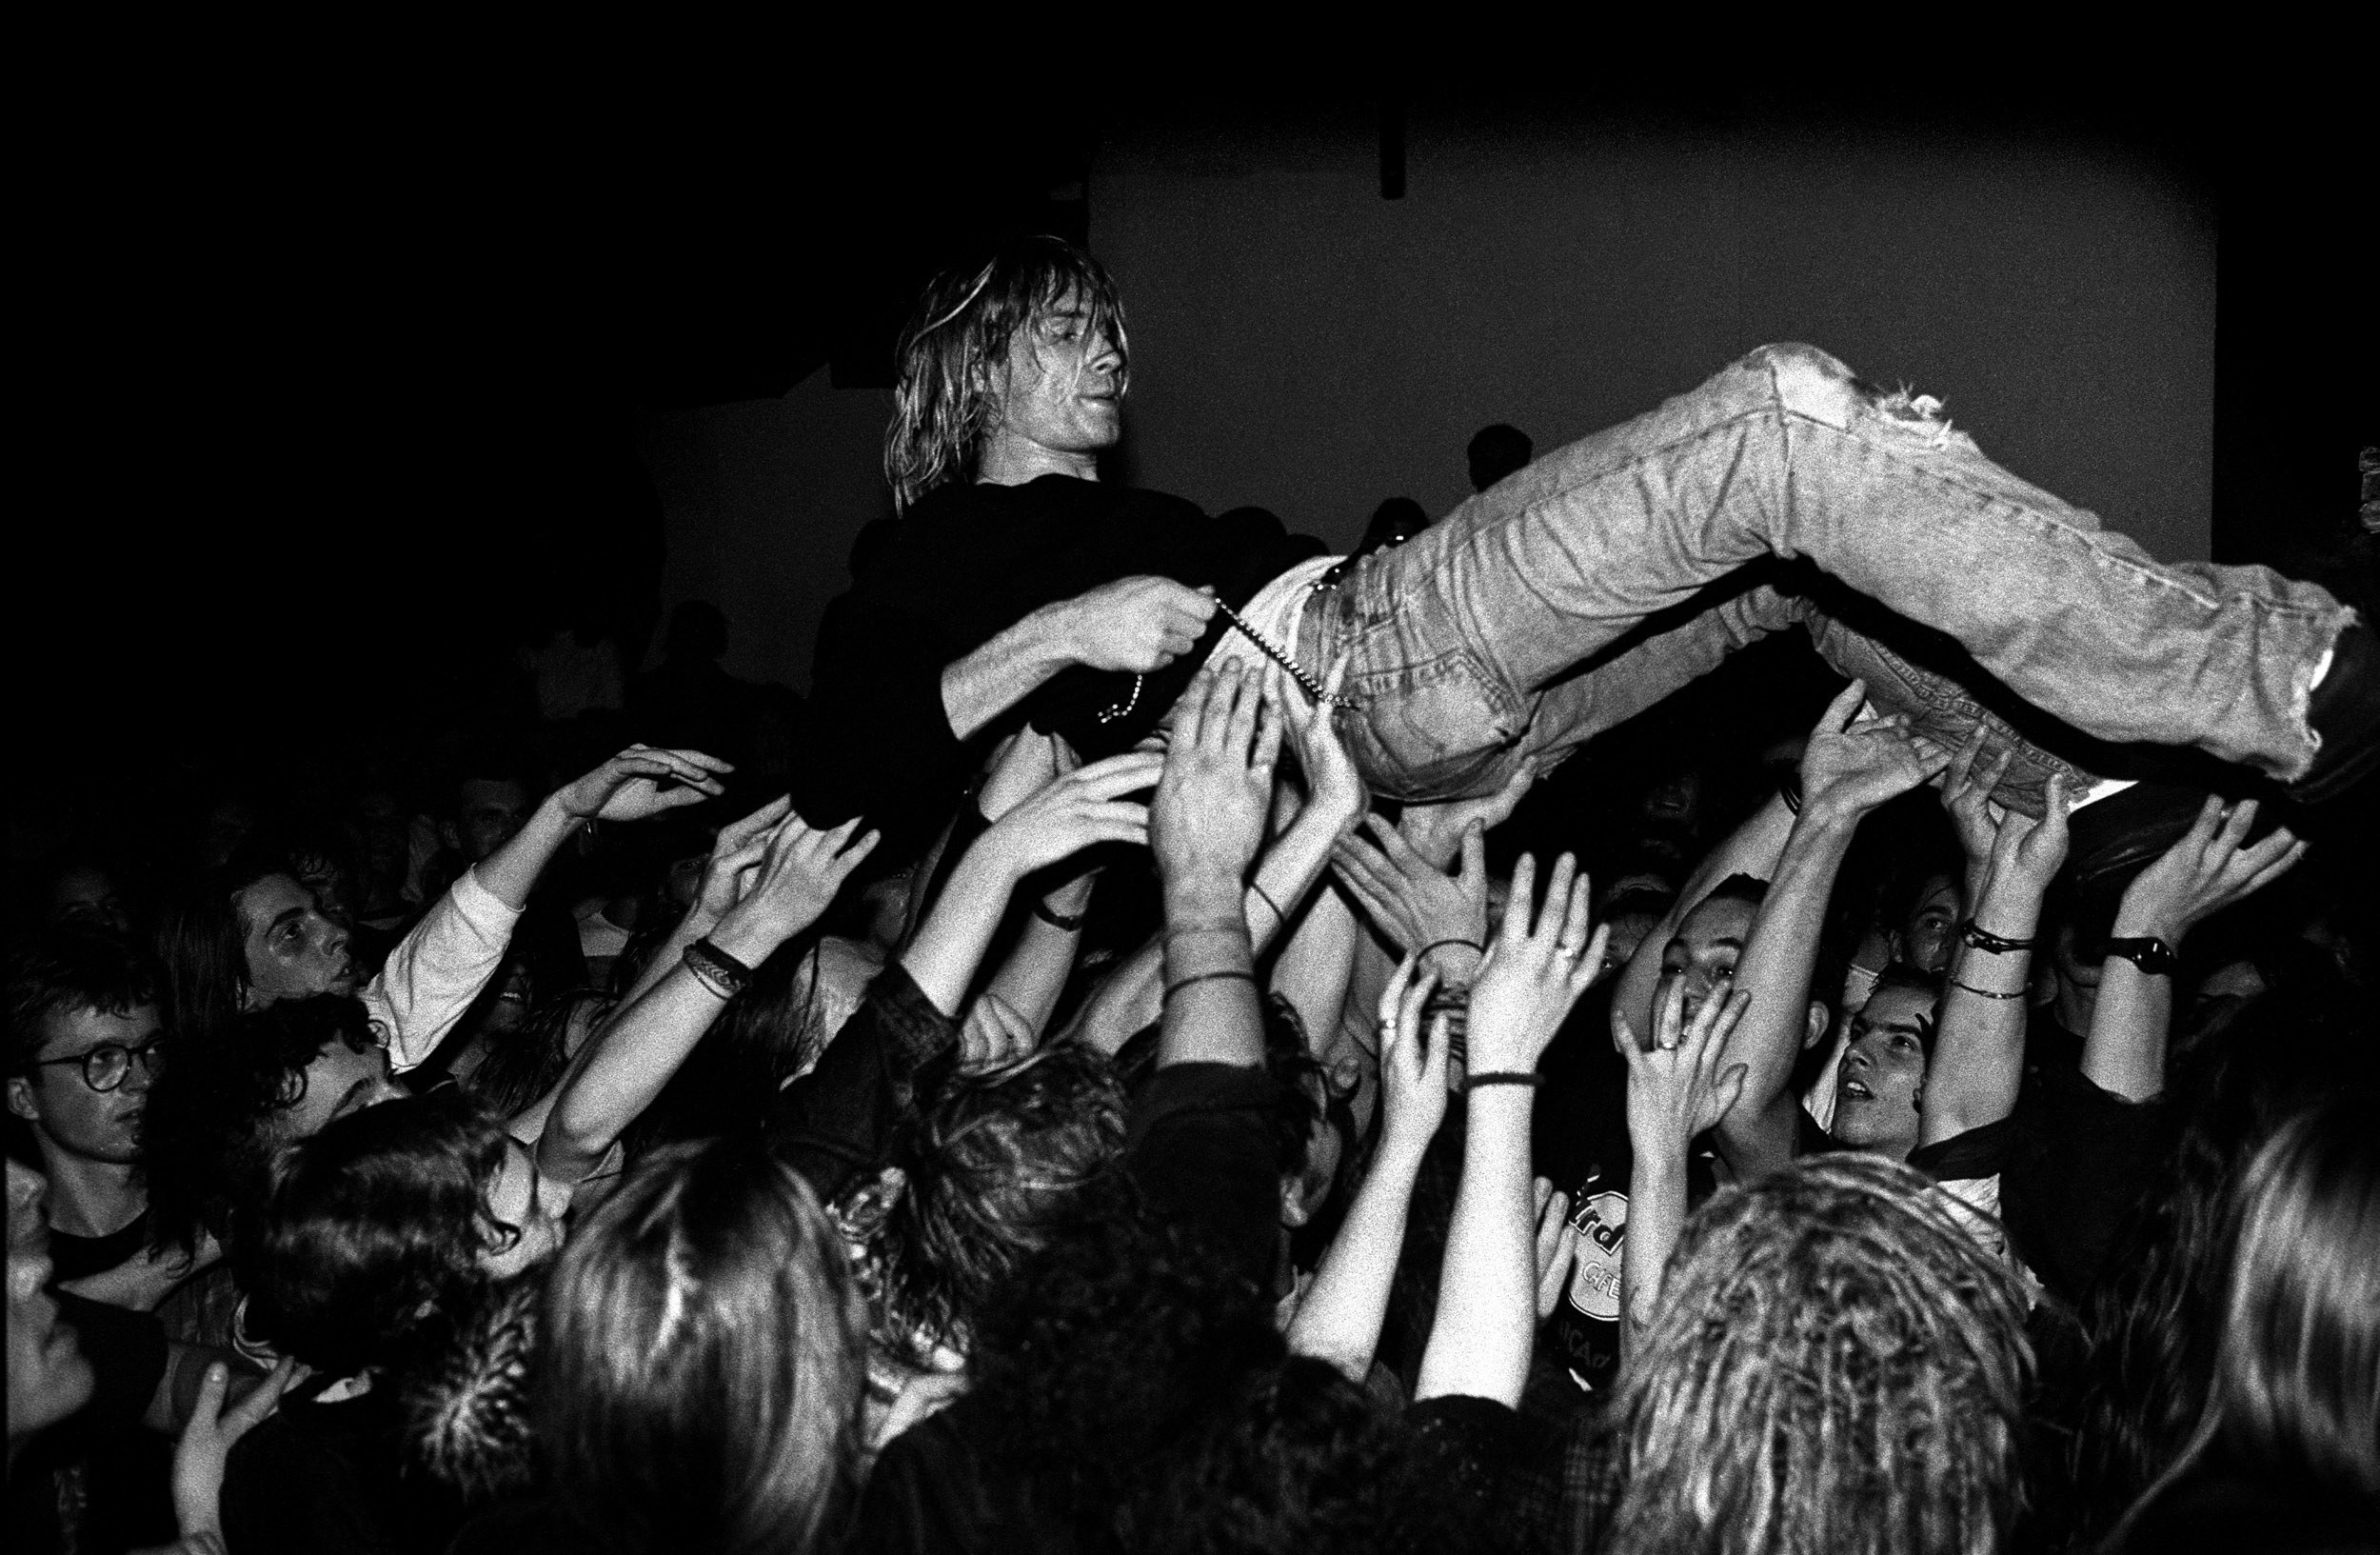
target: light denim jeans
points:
(1564, 599)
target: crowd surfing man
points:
(1016, 581)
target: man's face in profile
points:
(1062, 387)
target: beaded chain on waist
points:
(1265, 646)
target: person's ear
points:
(1816, 1024)
(1917, 1097)
(21, 1101)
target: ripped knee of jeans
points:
(1900, 405)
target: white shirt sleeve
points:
(435, 972)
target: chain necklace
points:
(1265, 646)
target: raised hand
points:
(1966, 791)
(205, 1446)
(2207, 869)
(2025, 852)
(1073, 812)
(628, 786)
(1332, 781)
(1677, 1088)
(1850, 767)
(800, 872)
(1414, 902)
(735, 853)
(1539, 964)
(992, 1034)
(1436, 831)
(1136, 624)
(1413, 1065)
(1208, 817)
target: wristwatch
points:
(2152, 956)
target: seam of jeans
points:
(2042, 523)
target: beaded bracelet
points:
(1976, 937)
(1985, 993)
(1173, 988)
(708, 979)
(1502, 1077)
(717, 969)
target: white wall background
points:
(1302, 344)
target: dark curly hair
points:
(1133, 1386)
(371, 1228)
(208, 1136)
(56, 971)
(1105, 1347)
(994, 1163)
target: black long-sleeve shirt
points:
(837, 1121)
(964, 565)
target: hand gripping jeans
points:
(1564, 600)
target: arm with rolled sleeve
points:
(435, 972)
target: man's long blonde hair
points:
(953, 349)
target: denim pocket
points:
(1435, 728)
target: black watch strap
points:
(2152, 956)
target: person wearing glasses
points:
(84, 1040)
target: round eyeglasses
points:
(109, 1065)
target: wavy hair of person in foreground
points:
(1837, 1365)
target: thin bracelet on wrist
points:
(1440, 945)
(1502, 1077)
(1985, 993)
(1179, 984)
(1071, 922)
(1976, 937)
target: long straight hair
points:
(2297, 1389)
(946, 400)
(701, 1375)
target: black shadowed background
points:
(337, 390)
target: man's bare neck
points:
(91, 1198)
(1015, 463)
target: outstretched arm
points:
(1979, 1047)
(435, 972)
(1847, 770)
(2207, 869)
(1070, 814)
(1677, 1088)
(1539, 964)
(1339, 1320)
(617, 1074)
(1204, 826)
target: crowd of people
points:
(1811, 1145)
